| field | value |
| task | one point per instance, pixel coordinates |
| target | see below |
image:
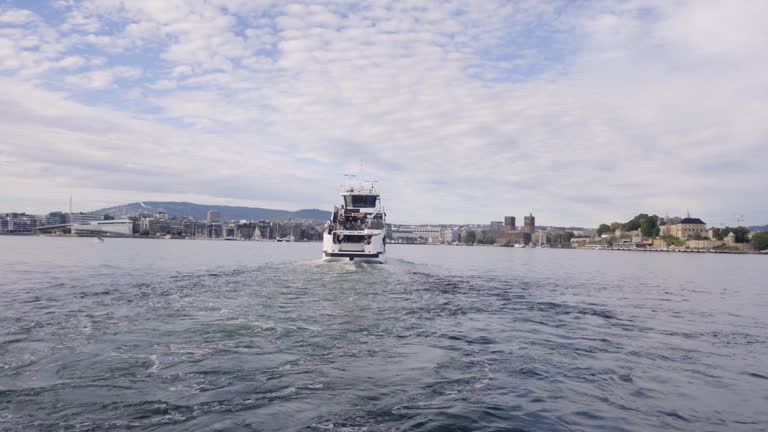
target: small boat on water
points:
(99, 240)
(357, 229)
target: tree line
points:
(649, 227)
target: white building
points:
(417, 234)
(122, 227)
(84, 218)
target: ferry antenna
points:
(350, 177)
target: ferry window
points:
(360, 201)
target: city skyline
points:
(305, 215)
(579, 113)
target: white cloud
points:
(103, 78)
(78, 22)
(163, 85)
(465, 111)
(17, 17)
(71, 62)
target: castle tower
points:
(509, 223)
(529, 224)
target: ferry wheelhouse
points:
(357, 229)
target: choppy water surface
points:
(195, 335)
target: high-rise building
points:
(497, 225)
(529, 224)
(214, 216)
(509, 223)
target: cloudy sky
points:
(580, 112)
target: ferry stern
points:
(357, 229)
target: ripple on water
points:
(351, 347)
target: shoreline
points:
(601, 248)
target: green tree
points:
(470, 237)
(568, 236)
(649, 226)
(716, 233)
(602, 229)
(760, 241)
(741, 233)
(635, 222)
(671, 240)
(615, 226)
(720, 233)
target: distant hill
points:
(763, 228)
(200, 211)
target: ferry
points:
(357, 229)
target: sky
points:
(580, 112)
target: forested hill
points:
(200, 211)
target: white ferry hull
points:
(363, 259)
(356, 230)
(370, 248)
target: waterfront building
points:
(55, 218)
(686, 228)
(509, 223)
(513, 237)
(417, 234)
(17, 223)
(154, 226)
(449, 235)
(112, 227)
(582, 241)
(136, 222)
(529, 224)
(510, 235)
(176, 225)
(80, 218)
(542, 238)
